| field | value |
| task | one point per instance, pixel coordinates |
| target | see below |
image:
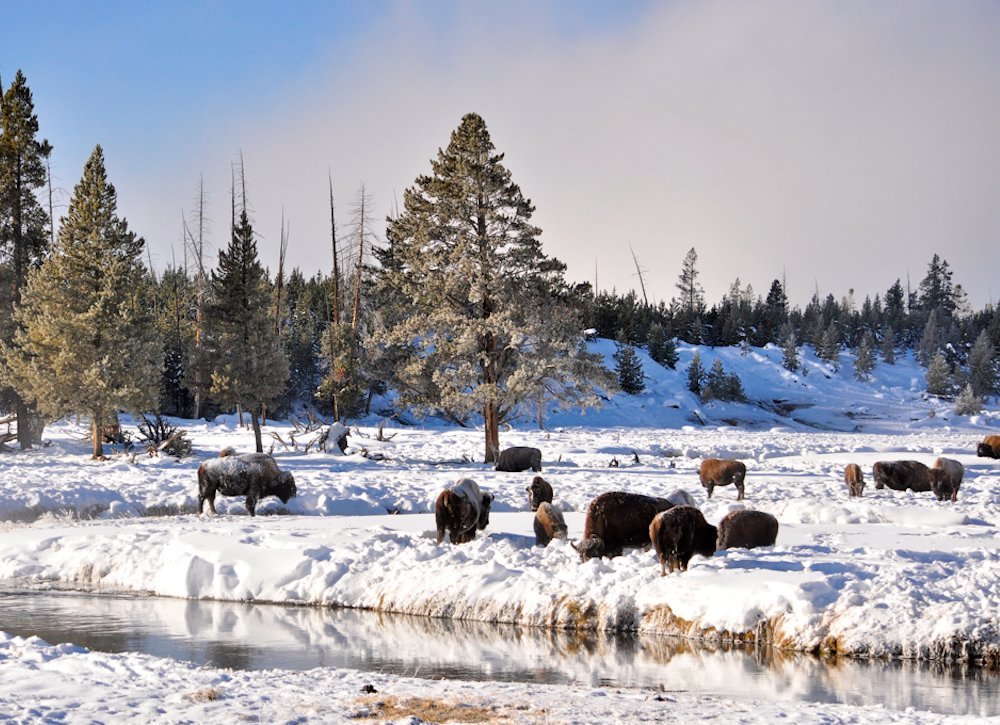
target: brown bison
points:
(519, 458)
(989, 448)
(855, 479)
(902, 475)
(618, 519)
(721, 472)
(254, 475)
(538, 492)
(747, 530)
(462, 509)
(946, 477)
(678, 534)
(549, 524)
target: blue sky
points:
(837, 144)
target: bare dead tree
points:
(336, 266)
(279, 282)
(638, 271)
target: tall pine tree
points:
(87, 342)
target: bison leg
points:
(738, 498)
(710, 485)
(251, 506)
(663, 565)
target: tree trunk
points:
(255, 421)
(24, 424)
(491, 419)
(97, 434)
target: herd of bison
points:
(615, 520)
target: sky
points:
(834, 145)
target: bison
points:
(549, 524)
(618, 519)
(721, 472)
(254, 475)
(519, 458)
(946, 477)
(989, 448)
(539, 492)
(462, 509)
(855, 479)
(746, 530)
(678, 534)
(902, 475)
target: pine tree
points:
(720, 385)
(87, 341)
(864, 358)
(888, 349)
(662, 349)
(983, 366)
(931, 341)
(938, 376)
(249, 367)
(472, 292)
(829, 350)
(692, 296)
(628, 368)
(968, 402)
(696, 374)
(24, 223)
(936, 290)
(789, 348)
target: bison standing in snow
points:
(462, 509)
(678, 534)
(519, 458)
(539, 492)
(946, 477)
(989, 448)
(721, 472)
(618, 519)
(549, 524)
(747, 530)
(855, 479)
(902, 475)
(254, 475)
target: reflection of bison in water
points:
(902, 475)
(721, 472)
(678, 534)
(254, 475)
(549, 524)
(946, 477)
(462, 509)
(618, 519)
(855, 479)
(746, 530)
(538, 492)
(989, 448)
(519, 458)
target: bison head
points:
(484, 511)
(538, 492)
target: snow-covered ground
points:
(891, 574)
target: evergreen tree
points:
(789, 348)
(87, 341)
(864, 358)
(931, 341)
(888, 349)
(24, 224)
(662, 349)
(628, 367)
(938, 376)
(983, 366)
(936, 291)
(474, 290)
(249, 367)
(696, 374)
(968, 402)
(720, 385)
(175, 294)
(692, 296)
(829, 350)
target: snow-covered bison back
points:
(254, 475)
(461, 510)
(549, 524)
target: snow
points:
(892, 574)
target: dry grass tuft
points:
(205, 694)
(426, 709)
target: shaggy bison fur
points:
(462, 510)
(254, 475)
(854, 479)
(747, 530)
(721, 472)
(549, 524)
(538, 492)
(989, 448)
(519, 458)
(902, 475)
(618, 519)
(946, 477)
(678, 534)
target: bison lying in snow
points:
(946, 477)
(721, 472)
(902, 475)
(678, 534)
(254, 475)
(746, 530)
(989, 448)
(855, 479)
(519, 458)
(618, 519)
(549, 524)
(538, 492)
(462, 509)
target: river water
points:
(255, 636)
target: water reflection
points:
(247, 636)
